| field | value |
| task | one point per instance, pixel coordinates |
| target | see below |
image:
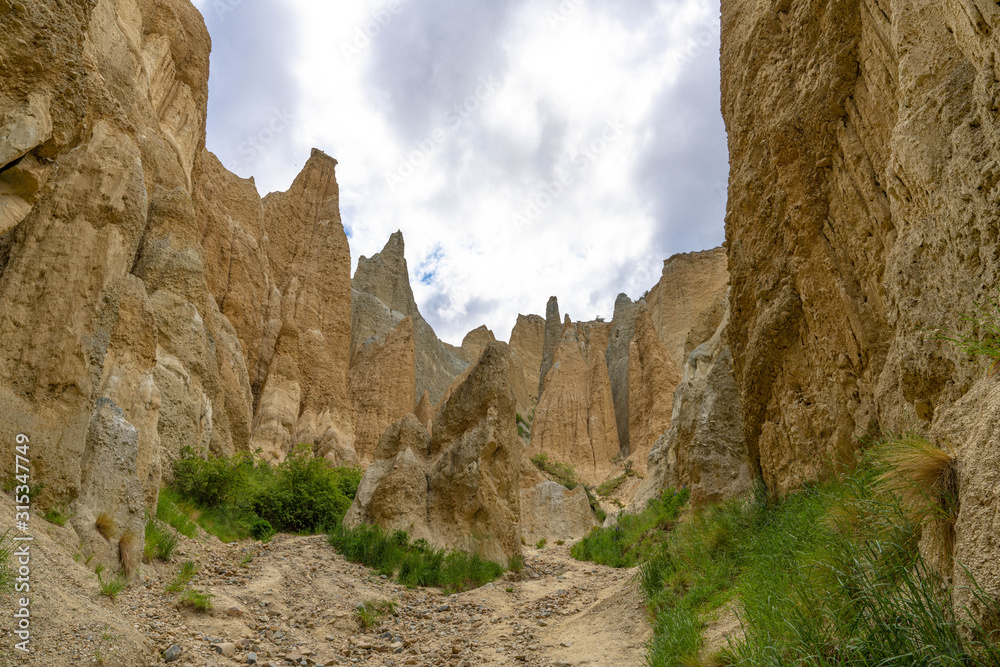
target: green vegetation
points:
(595, 505)
(613, 484)
(564, 473)
(830, 576)
(633, 538)
(983, 337)
(7, 571)
(237, 498)
(183, 578)
(199, 601)
(160, 542)
(55, 516)
(516, 564)
(112, 587)
(169, 513)
(540, 544)
(370, 612)
(413, 563)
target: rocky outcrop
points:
(527, 343)
(617, 359)
(652, 378)
(380, 298)
(704, 449)
(686, 304)
(575, 419)
(550, 511)
(475, 342)
(553, 332)
(382, 387)
(864, 139)
(457, 486)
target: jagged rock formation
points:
(380, 298)
(617, 359)
(704, 450)
(382, 386)
(457, 486)
(575, 419)
(527, 342)
(553, 332)
(863, 195)
(686, 304)
(309, 296)
(475, 342)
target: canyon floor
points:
(293, 601)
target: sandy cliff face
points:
(381, 297)
(459, 485)
(575, 419)
(864, 138)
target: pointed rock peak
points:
(319, 155)
(394, 248)
(480, 333)
(622, 301)
(552, 309)
(567, 321)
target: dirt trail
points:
(293, 601)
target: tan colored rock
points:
(652, 378)
(863, 194)
(704, 450)
(382, 387)
(424, 410)
(475, 342)
(550, 511)
(553, 333)
(575, 420)
(380, 298)
(686, 304)
(527, 341)
(458, 487)
(617, 359)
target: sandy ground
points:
(293, 601)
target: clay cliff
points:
(862, 213)
(380, 298)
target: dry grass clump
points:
(105, 525)
(128, 553)
(924, 475)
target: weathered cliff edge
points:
(864, 143)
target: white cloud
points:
(488, 232)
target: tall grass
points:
(413, 563)
(635, 537)
(240, 497)
(831, 576)
(564, 473)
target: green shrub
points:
(413, 564)
(564, 473)
(183, 578)
(240, 498)
(634, 537)
(540, 544)
(55, 516)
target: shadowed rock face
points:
(553, 332)
(704, 450)
(457, 486)
(863, 194)
(380, 298)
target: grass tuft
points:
(128, 553)
(564, 473)
(199, 601)
(369, 613)
(922, 474)
(112, 587)
(170, 513)
(413, 563)
(160, 542)
(187, 571)
(983, 336)
(55, 516)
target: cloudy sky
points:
(526, 148)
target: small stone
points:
(235, 612)
(251, 658)
(172, 653)
(227, 649)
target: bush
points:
(55, 516)
(370, 612)
(240, 498)
(171, 514)
(159, 542)
(199, 601)
(112, 587)
(414, 564)
(634, 537)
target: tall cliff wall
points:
(863, 211)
